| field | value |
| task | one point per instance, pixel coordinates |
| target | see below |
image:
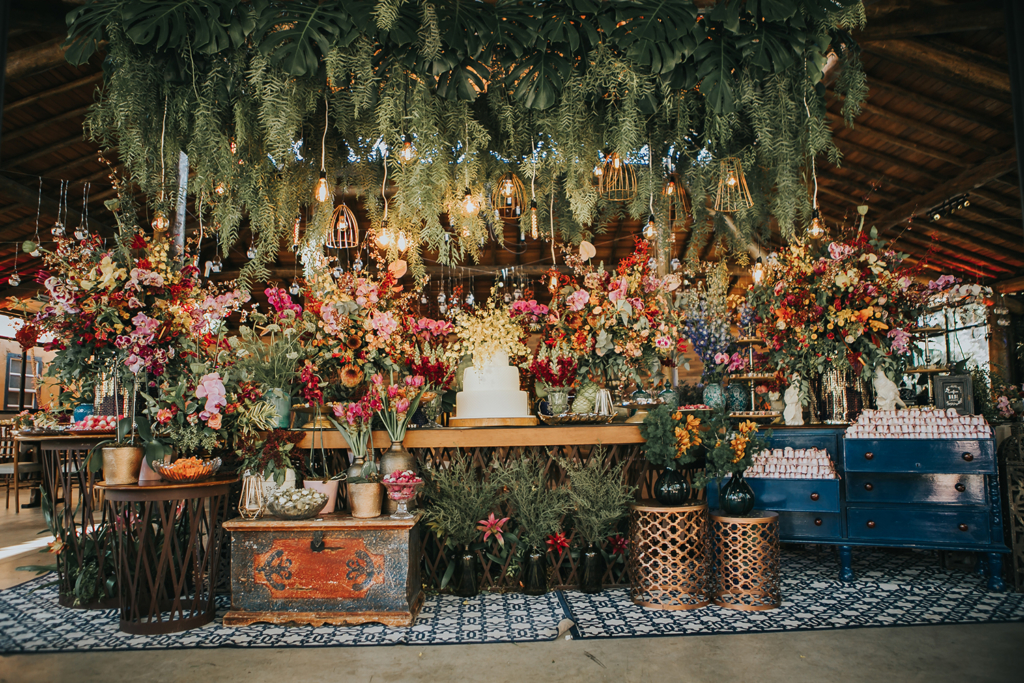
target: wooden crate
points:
(334, 569)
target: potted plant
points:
(537, 508)
(354, 420)
(271, 356)
(365, 492)
(670, 440)
(398, 401)
(122, 459)
(599, 498)
(732, 453)
(457, 500)
(271, 458)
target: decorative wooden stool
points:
(668, 562)
(168, 550)
(746, 560)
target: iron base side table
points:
(169, 539)
(668, 565)
(746, 575)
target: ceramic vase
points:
(671, 488)
(739, 398)
(328, 488)
(365, 500)
(714, 395)
(735, 496)
(282, 403)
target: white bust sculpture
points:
(887, 394)
(794, 412)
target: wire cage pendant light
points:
(617, 181)
(733, 193)
(508, 196)
(343, 230)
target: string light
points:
(651, 228)
(322, 191)
(468, 204)
(534, 229)
(758, 271)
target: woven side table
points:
(668, 563)
(746, 573)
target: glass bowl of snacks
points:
(187, 470)
(296, 503)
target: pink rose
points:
(164, 415)
(214, 421)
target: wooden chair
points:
(12, 470)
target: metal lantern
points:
(733, 193)
(679, 199)
(251, 503)
(508, 196)
(343, 232)
(617, 182)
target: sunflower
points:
(351, 375)
(354, 342)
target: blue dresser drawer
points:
(810, 525)
(874, 487)
(940, 526)
(802, 495)
(939, 456)
(829, 439)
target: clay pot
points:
(328, 488)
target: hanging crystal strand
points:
(83, 227)
(58, 227)
(39, 207)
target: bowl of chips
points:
(187, 470)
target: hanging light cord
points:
(323, 140)
(383, 186)
(163, 131)
(814, 173)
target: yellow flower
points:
(692, 423)
(110, 273)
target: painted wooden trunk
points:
(334, 569)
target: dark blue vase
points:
(739, 397)
(735, 496)
(671, 488)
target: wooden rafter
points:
(930, 20)
(54, 91)
(920, 148)
(967, 69)
(29, 197)
(951, 137)
(957, 110)
(842, 142)
(45, 123)
(32, 60)
(37, 152)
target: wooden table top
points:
(481, 437)
(162, 485)
(332, 521)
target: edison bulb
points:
(160, 222)
(731, 181)
(468, 204)
(758, 271)
(670, 188)
(651, 229)
(616, 161)
(407, 152)
(534, 228)
(14, 280)
(403, 242)
(598, 171)
(384, 236)
(817, 229)
(322, 190)
(508, 189)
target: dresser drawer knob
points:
(962, 527)
(968, 457)
(869, 456)
(815, 496)
(960, 487)
(869, 487)
(817, 521)
(871, 524)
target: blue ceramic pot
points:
(82, 411)
(714, 395)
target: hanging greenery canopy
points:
(260, 93)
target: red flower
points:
(557, 542)
(620, 544)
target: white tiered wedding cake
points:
(491, 391)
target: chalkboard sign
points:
(954, 391)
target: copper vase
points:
(396, 459)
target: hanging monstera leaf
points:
(536, 80)
(86, 28)
(657, 35)
(716, 61)
(162, 24)
(297, 35)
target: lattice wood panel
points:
(669, 558)
(1015, 486)
(747, 560)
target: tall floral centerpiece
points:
(730, 452)
(354, 420)
(703, 311)
(433, 359)
(489, 332)
(554, 371)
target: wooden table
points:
(668, 560)
(482, 437)
(169, 539)
(332, 569)
(84, 539)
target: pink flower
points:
(577, 301)
(402, 405)
(377, 379)
(212, 389)
(164, 415)
(492, 526)
(736, 362)
(838, 251)
(414, 381)
(721, 358)
(215, 421)
(618, 289)
(384, 324)
(943, 282)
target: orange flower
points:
(351, 375)
(692, 423)
(747, 427)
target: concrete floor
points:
(930, 654)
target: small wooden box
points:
(334, 569)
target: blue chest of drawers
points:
(920, 493)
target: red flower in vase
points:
(557, 542)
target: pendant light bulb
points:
(468, 204)
(817, 229)
(160, 222)
(758, 271)
(407, 152)
(322, 190)
(598, 171)
(670, 187)
(402, 242)
(651, 230)
(534, 228)
(294, 289)
(384, 237)
(14, 280)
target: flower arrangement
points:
(555, 368)
(487, 331)
(670, 437)
(731, 450)
(706, 320)
(598, 496)
(852, 304)
(271, 456)
(402, 484)
(397, 401)
(529, 313)
(273, 364)
(354, 421)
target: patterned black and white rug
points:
(892, 589)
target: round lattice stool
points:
(668, 559)
(746, 572)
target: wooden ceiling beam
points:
(35, 59)
(887, 158)
(986, 214)
(968, 69)
(1010, 285)
(972, 178)
(881, 177)
(45, 123)
(53, 92)
(1010, 204)
(923, 21)
(876, 134)
(43, 151)
(957, 110)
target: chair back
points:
(7, 444)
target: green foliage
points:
(536, 504)
(457, 499)
(661, 445)
(598, 494)
(242, 87)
